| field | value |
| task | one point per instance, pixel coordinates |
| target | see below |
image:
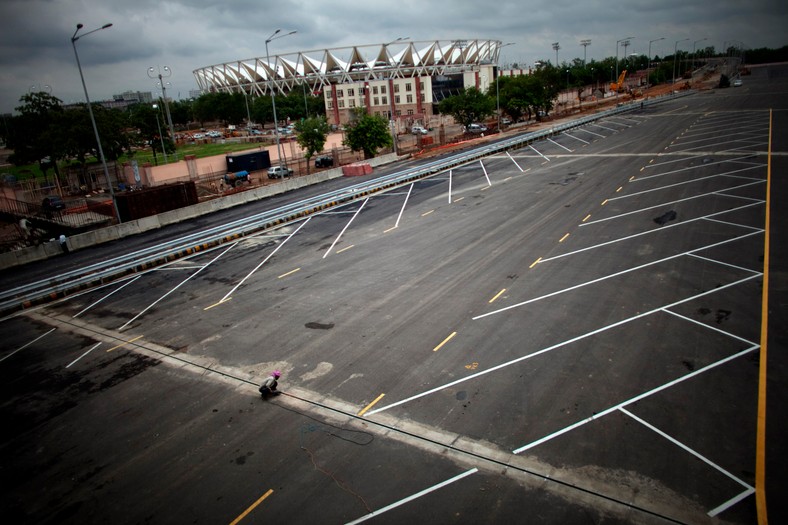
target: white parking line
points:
(83, 355)
(559, 145)
(690, 181)
(537, 152)
(634, 399)
(154, 303)
(558, 345)
(689, 168)
(485, 173)
(663, 228)
(591, 132)
(106, 296)
(684, 447)
(603, 127)
(616, 274)
(28, 344)
(668, 203)
(345, 228)
(414, 496)
(572, 136)
(515, 162)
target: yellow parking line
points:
(427, 213)
(444, 341)
(364, 410)
(760, 437)
(345, 248)
(562, 239)
(252, 507)
(217, 304)
(586, 217)
(288, 273)
(535, 262)
(497, 295)
(124, 343)
(392, 228)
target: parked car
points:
(476, 128)
(419, 130)
(53, 203)
(324, 161)
(277, 172)
(737, 82)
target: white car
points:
(737, 82)
(418, 130)
(277, 172)
(477, 128)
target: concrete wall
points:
(121, 231)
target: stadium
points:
(401, 80)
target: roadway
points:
(568, 332)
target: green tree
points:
(367, 133)
(33, 134)
(150, 132)
(468, 107)
(312, 134)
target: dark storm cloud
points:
(188, 34)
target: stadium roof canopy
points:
(323, 67)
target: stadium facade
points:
(402, 80)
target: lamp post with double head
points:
(74, 39)
(271, 84)
(164, 72)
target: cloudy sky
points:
(188, 34)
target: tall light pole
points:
(693, 51)
(271, 84)
(627, 39)
(497, 91)
(74, 39)
(163, 151)
(675, 50)
(585, 44)
(649, 49)
(392, 118)
(556, 47)
(164, 72)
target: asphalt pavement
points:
(565, 333)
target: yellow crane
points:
(618, 86)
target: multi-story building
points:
(402, 80)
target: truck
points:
(618, 86)
(235, 179)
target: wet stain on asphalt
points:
(319, 326)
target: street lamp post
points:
(585, 44)
(392, 117)
(271, 84)
(675, 50)
(556, 47)
(161, 76)
(163, 151)
(693, 51)
(649, 49)
(497, 91)
(626, 40)
(74, 39)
